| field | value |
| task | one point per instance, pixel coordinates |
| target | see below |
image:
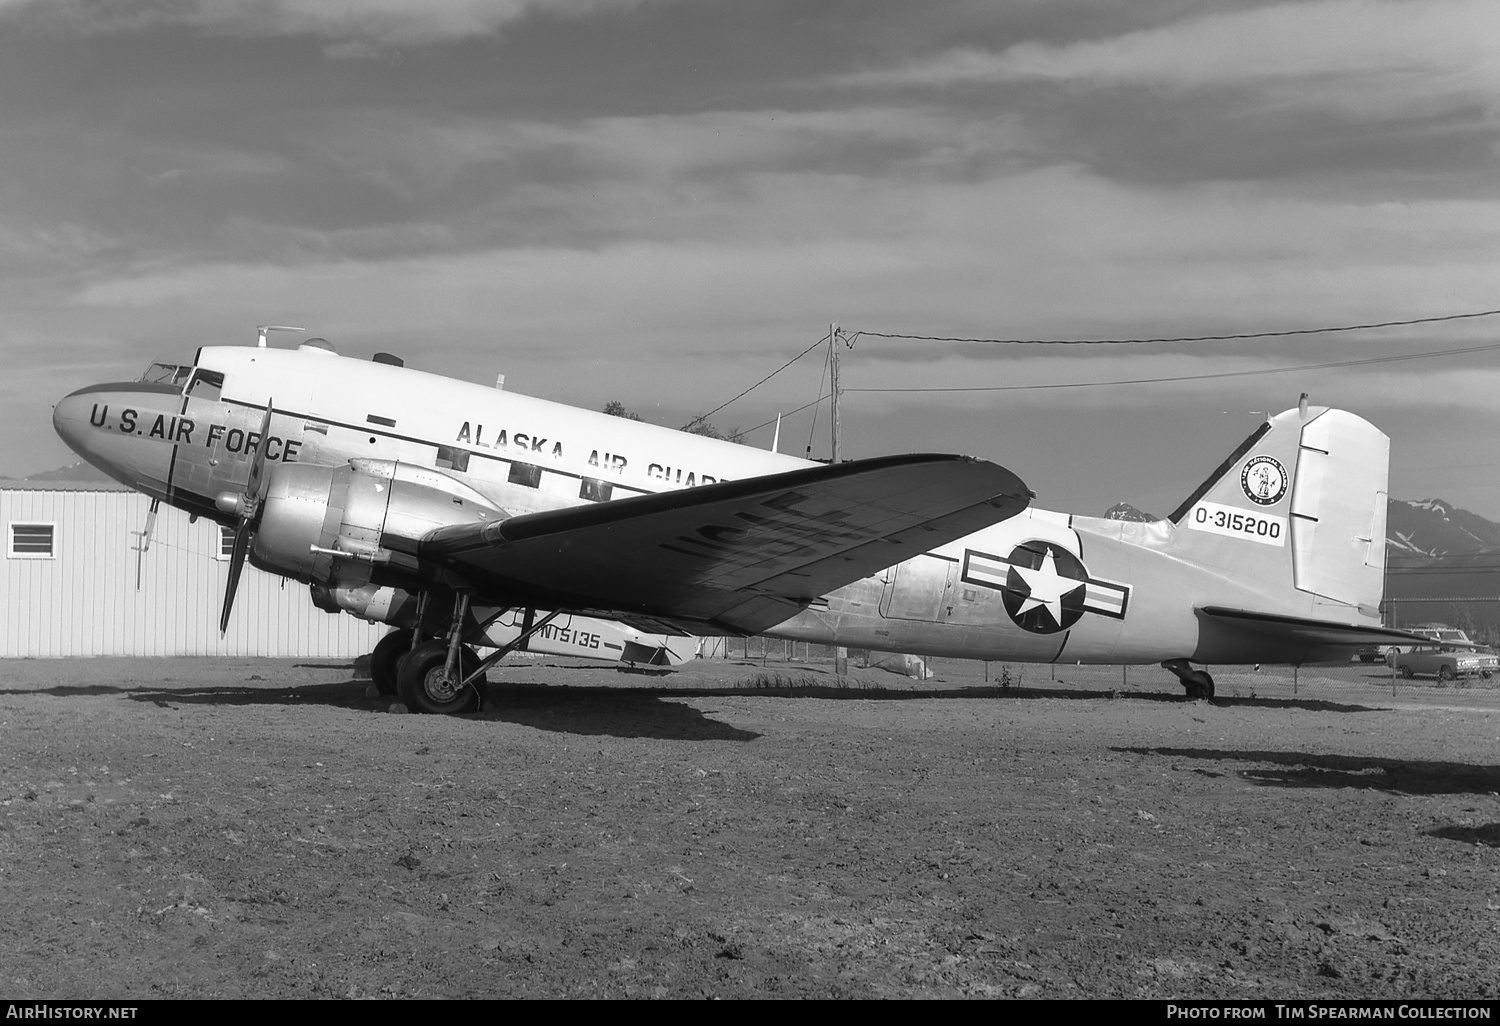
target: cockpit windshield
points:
(166, 374)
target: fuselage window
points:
(207, 385)
(452, 458)
(527, 475)
(595, 490)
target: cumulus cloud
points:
(352, 29)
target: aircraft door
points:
(920, 589)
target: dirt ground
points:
(264, 828)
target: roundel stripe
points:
(1045, 588)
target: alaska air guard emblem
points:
(1044, 587)
(1264, 480)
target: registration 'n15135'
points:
(1237, 523)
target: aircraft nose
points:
(70, 418)
(106, 424)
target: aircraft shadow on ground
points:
(605, 711)
(1305, 770)
(1487, 836)
(538, 695)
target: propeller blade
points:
(255, 483)
(236, 564)
(250, 512)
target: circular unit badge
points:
(1264, 480)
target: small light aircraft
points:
(443, 507)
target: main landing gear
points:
(440, 675)
(1197, 683)
(388, 653)
(443, 675)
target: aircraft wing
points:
(1298, 630)
(736, 556)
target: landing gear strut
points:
(442, 675)
(1197, 683)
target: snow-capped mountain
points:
(1125, 511)
(1432, 527)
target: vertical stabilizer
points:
(1297, 513)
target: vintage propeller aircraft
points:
(443, 507)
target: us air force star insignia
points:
(1264, 480)
(1044, 587)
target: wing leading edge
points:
(737, 556)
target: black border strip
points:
(1220, 471)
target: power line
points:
(852, 337)
(704, 416)
(1181, 338)
(788, 413)
(1191, 377)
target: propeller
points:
(247, 505)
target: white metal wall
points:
(85, 601)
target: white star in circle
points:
(1047, 587)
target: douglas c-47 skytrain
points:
(449, 509)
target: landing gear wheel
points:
(425, 686)
(1199, 685)
(388, 652)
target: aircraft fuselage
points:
(1038, 587)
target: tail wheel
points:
(426, 687)
(388, 651)
(1199, 685)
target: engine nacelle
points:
(372, 602)
(327, 525)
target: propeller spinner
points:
(247, 505)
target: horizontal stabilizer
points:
(1274, 627)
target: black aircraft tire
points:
(1200, 686)
(420, 680)
(388, 652)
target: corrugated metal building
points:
(76, 584)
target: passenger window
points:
(452, 458)
(525, 474)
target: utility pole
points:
(833, 377)
(841, 653)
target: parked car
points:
(1435, 631)
(1447, 662)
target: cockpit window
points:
(166, 374)
(206, 384)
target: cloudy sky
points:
(661, 201)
